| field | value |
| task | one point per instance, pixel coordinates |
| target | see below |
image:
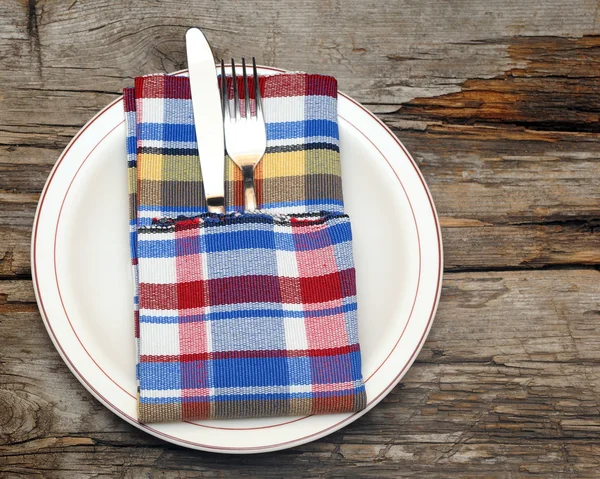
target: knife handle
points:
(215, 204)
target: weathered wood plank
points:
(415, 53)
(419, 40)
(503, 202)
(479, 247)
(499, 247)
(474, 173)
(466, 247)
(545, 315)
(500, 206)
(517, 397)
(556, 88)
(493, 178)
(525, 316)
(83, 458)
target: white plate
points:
(82, 274)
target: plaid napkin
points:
(243, 314)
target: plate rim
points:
(251, 449)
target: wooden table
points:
(498, 101)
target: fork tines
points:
(236, 99)
(245, 136)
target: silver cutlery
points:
(245, 135)
(208, 118)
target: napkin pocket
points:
(247, 315)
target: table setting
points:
(298, 240)
(244, 299)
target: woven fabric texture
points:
(243, 314)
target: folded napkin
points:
(245, 314)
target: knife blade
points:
(208, 118)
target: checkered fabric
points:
(243, 314)
(299, 173)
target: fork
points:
(245, 136)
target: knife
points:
(208, 118)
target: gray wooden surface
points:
(498, 101)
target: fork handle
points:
(249, 192)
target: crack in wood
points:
(524, 267)
(68, 90)
(34, 33)
(556, 90)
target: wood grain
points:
(498, 103)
